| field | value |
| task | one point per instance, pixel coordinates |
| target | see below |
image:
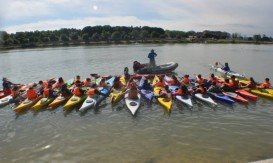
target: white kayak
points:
(229, 73)
(88, 103)
(185, 99)
(205, 98)
(4, 101)
(132, 104)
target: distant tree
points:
(95, 37)
(265, 38)
(54, 38)
(64, 38)
(257, 38)
(86, 37)
(135, 34)
(45, 39)
(144, 35)
(116, 36)
(154, 34)
(74, 36)
(8, 41)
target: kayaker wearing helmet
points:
(152, 56)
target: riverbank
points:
(154, 41)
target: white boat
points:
(132, 104)
(4, 101)
(185, 99)
(205, 98)
(88, 103)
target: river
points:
(223, 134)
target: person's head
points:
(267, 79)
(226, 64)
(186, 76)
(78, 77)
(126, 70)
(88, 79)
(212, 75)
(216, 63)
(40, 82)
(233, 77)
(251, 79)
(4, 79)
(152, 51)
(60, 80)
(199, 76)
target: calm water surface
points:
(222, 134)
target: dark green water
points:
(222, 134)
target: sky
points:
(247, 17)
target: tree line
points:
(110, 34)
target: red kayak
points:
(236, 97)
(246, 94)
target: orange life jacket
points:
(91, 92)
(160, 84)
(233, 83)
(214, 80)
(266, 84)
(44, 85)
(77, 91)
(31, 94)
(179, 92)
(57, 85)
(46, 92)
(200, 90)
(200, 80)
(87, 83)
(14, 93)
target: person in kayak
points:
(152, 56)
(146, 85)
(186, 79)
(233, 83)
(213, 79)
(132, 89)
(252, 84)
(94, 91)
(199, 79)
(65, 92)
(165, 93)
(200, 89)
(226, 86)
(103, 83)
(160, 83)
(182, 91)
(214, 88)
(78, 91)
(59, 83)
(31, 93)
(42, 86)
(117, 85)
(7, 86)
(265, 85)
(174, 81)
(16, 96)
(87, 82)
(226, 67)
(77, 80)
(49, 92)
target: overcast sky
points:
(246, 17)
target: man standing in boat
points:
(152, 56)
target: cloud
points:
(246, 17)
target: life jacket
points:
(186, 81)
(266, 84)
(179, 92)
(46, 92)
(87, 83)
(31, 94)
(201, 90)
(91, 92)
(45, 83)
(160, 84)
(7, 91)
(214, 80)
(233, 83)
(57, 85)
(77, 91)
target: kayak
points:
(205, 98)
(44, 102)
(221, 97)
(58, 101)
(110, 81)
(73, 101)
(228, 73)
(185, 100)
(26, 104)
(132, 104)
(123, 80)
(116, 96)
(88, 103)
(5, 101)
(267, 93)
(246, 94)
(160, 69)
(236, 97)
(147, 94)
(165, 102)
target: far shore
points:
(158, 41)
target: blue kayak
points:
(221, 97)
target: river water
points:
(223, 134)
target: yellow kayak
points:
(73, 101)
(122, 80)
(116, 96)
(58, 101)
(44, 102)
(26, 104)
(268, 93)
(165, 102)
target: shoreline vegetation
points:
(107, 35)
